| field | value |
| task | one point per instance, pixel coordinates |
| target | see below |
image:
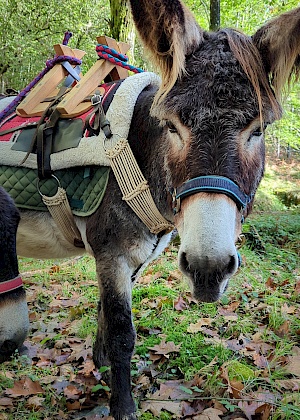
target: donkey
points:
(199, 135)
(13, 324)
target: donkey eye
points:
(258, 132)
(171, 127)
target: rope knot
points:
(116, 58)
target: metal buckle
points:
(96, 99)
(176, 202)
(240, 241)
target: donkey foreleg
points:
(115, 342)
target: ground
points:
(236, 359)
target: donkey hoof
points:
(131, 416)
(7, 349)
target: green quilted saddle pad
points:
(85, 187)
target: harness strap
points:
(44, 145)
(7, 286)
(212, 184)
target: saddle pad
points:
(90, 150)
(85, 187)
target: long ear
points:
(279, 44)
(169, 32)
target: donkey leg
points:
(14, 321)
(116, 338)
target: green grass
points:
(264, 326)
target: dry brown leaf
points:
(209, 414)
(271, 284)
(175, 275)
(293, 365)
(284, 329)
(157, 406)
(165, 348)
(73, 405)
(24, 387)
(180, 304)
(228, 315)
(72, 393)
(6, 402)
(35, 402)
(236, 388)
(260, 361)
(194, 328)
(285, 309)
(233, 306)
(289, 384)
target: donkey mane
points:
(248, 56)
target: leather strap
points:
(45, 145)
(211, 184)
(7, 286)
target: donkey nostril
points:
(231, 267)
(183, 261)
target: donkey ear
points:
(279, 44)
(169, 32)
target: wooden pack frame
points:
(74, 102)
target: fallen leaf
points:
(194, 328)
(157, 406)
(165, 348)
(24, 387)
(35, 402)
(260, 361)
(209, 414)
(285, 309)
(228, 315)
(233, 306)
(72, 393)
(6, 402)
(289, 384)
(283, 330)
(293, 365)
(180, 304)
(270, 283)
(208, 331)
(73, 405)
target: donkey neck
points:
(149, 147)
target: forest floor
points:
(235, 359)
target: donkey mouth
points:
(207, 288)
(207, 285)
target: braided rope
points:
(67, 37)
(49, 65)
(116, 58)
(135, 188)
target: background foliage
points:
(30, 28)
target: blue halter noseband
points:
(212, 184)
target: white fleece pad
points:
(90, 150)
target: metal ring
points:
(241, 241)
(39, 180)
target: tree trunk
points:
(121, 24)
(214, 24)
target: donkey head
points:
(219, 91)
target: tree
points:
(214, 23)
(30, 28)
(120, 22)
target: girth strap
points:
(212, 184)
(8, 285)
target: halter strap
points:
(212, 184)
(7, 286)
